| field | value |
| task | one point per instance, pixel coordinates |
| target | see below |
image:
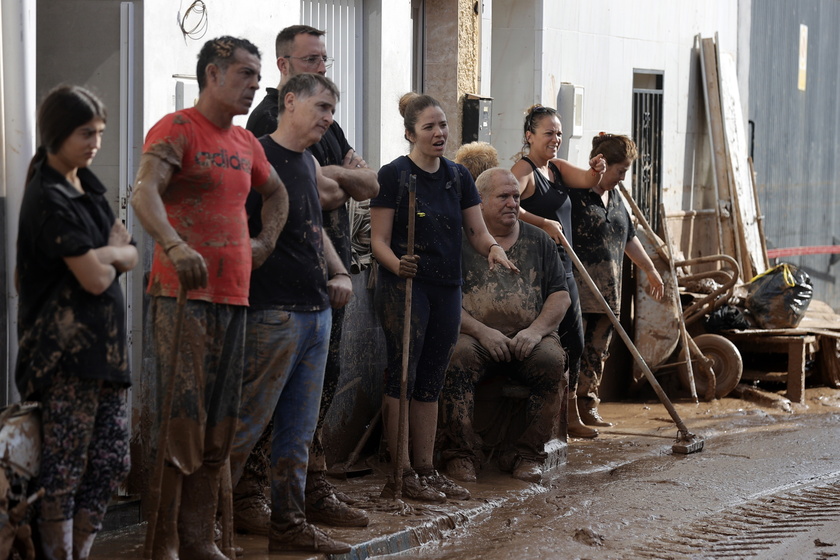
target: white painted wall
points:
(389, 68)
(166, 53)
(598, 47)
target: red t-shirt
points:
(205, 201)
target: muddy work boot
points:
(434, 479)
(305, 537)
(251, 508)
(576, 427)
(462, 469)
(412, 487)
(527, 470)
(197, 518)
(316, 481)
(324, 506)
(590, 416)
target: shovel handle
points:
(402, 437)
(630, 346)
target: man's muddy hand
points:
(190, 266)
(496, 344)
(524, 343)
(340, 290)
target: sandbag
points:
(779, 297)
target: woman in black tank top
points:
(544, 181)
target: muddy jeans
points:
(598, 331)
(284, 371)
(208, 379)
(571, 332)
(332, 372)
(84, 455)
(544, 371)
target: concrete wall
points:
(539, 45)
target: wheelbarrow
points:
(661, 324)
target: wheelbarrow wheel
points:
(726, 363)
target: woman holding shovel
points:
(71, 323)
(426, 258)
(544, 184)
(603, 234)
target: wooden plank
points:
(711, 94)
(796, 371)
(759, 216)
(744, 204)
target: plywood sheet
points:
(743, 197)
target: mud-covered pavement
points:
(766, 485)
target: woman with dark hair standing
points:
(447, 202)
(603, 235)
(544, 185)
(71, 323)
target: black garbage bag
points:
(779, 297)
(726, 317)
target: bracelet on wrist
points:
(172, 244)
(334, 274)
(494, 245)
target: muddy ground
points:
(766, 485)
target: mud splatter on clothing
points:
(85, 446)
(207, 382)
(62, 327)
(598, 331)
(205, 201)
(601, 234)
(509, 303)
(543, 371)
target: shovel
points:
(348, 468)
(686, 441)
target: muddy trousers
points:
(84, 455)
(571, 332)
(286, 352)
(543, 371)
(257, 471)
(598, 331)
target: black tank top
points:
(551, 201)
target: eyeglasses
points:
(314, 60)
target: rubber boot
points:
(56, 539)
(84, 532)
(165, 545)
(576, 427)
(590, 416)
(197, 519)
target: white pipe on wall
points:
(17, 69)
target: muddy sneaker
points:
(330, 511)
(317, 484)
(461, 469)
(527, 470)
(434, 479)
(305, 538)
(413, 487)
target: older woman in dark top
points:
(603, 235)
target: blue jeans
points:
(285, 355)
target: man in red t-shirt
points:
(195, 175)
